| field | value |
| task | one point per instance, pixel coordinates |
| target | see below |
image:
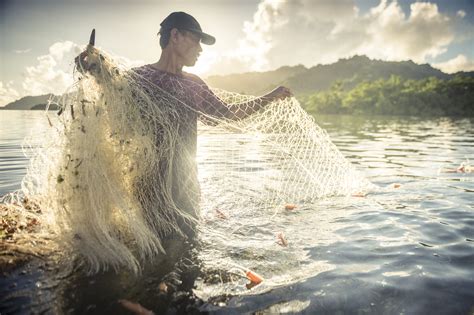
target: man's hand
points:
(135, 308)
(81, 61)
(280, 93)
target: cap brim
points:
(207, 39)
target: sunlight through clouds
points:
(310, 32)
(271, 34)
(393, 36)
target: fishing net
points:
(119, 174)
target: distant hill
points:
(358, 69)
(255, 83)
(43, 107)
(464, 74)
(28, 102)
(303, 81)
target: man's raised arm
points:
(212, 105)
(243, 110)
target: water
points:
(408, 250)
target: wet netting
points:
(120, 171)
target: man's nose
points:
(199, 47)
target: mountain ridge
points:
(28, 102)
(304, 81)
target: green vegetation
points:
(397, 96)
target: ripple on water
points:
(408, 250)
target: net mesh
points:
(120, 171)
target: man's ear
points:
(174, 33)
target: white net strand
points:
(306, 164)
(119, 173)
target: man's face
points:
(188, 47)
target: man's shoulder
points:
(193, 77)
(140, 69)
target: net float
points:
(253, 277)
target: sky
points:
(39, 38)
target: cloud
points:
(461, 13)
(309, 32)
(22, 51)
(392, 36)
(53, 72)
(126, 62)
(7, 93)
(458, 63)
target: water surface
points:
(398, 250)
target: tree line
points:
(397, 96)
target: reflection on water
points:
(406, 250)
(15, 126)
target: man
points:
(180, 40)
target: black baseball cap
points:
(184, 21)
